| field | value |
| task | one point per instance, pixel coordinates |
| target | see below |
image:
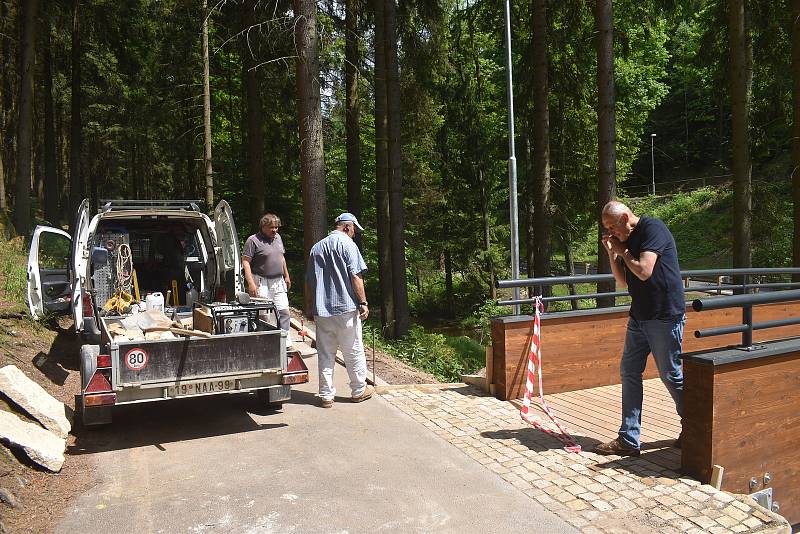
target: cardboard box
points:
(202, 320)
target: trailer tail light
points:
(295, 378)
(296, 363)
(88, 308)
(98, 383)
(297, 372)
(103, 399)
(104, 360)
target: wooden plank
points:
(756, 418)
(698, 422)
(610, 416)
(582, 352)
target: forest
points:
(398, 111)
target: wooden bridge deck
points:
(593, 415)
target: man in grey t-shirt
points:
(265, 268)
(339, 304)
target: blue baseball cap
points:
(348, 217)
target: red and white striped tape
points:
(535, 367)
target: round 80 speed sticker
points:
(136, 359)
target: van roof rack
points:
(178, 205)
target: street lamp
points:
(653, 160)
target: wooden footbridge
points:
(741, 389)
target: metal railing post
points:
(747, 319)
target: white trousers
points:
(275, 289)
(341, 331)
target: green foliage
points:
(700, 221)
(480, 320)
(13, 272)
(445, 358)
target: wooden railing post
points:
(511, 337)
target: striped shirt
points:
(331, 263)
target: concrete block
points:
(40, 445)
(32, 398)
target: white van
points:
(174, 251)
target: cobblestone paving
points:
(597, 494)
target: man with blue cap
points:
(334, 279)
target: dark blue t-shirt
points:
(661, 295)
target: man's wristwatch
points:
(363, 303)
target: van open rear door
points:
(229, 262)
(80, 261)
(49, 282)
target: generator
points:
(224, 318)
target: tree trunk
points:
(76, 128)
(309, 118)
(382, 178)
(352, 111)
(209, 170)
(606, 132)
(530, 213)
(22, 191)
(796, 133)
(487, 235)
(448, 283)
(254, 121)
(476, 133)
(570, 261)
(6, 131)
(540, 181)
(51, 194)
(5, 103)
(396, 211)
(740, 63)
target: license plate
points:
(200, 388)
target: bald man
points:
(644, 259)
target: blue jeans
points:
(663, 338)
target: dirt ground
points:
(49, 356)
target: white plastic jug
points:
(154, 301)
(191, 295)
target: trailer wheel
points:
(262, 396)
(273, 397)
(94, 417)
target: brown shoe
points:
(368, 391)
(327, 403)
(617, 448)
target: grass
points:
(13, 274)
(446, 358)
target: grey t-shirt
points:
(331, 263)
(266, 255)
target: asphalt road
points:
(224, 464)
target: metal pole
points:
(653, 160)
(512, 163)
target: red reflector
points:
(295, 378)
(98, 383)
(296, 364)
(104, 399)
(104, 360)
(88, 309)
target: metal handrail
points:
(746, 302)
(745, 286)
